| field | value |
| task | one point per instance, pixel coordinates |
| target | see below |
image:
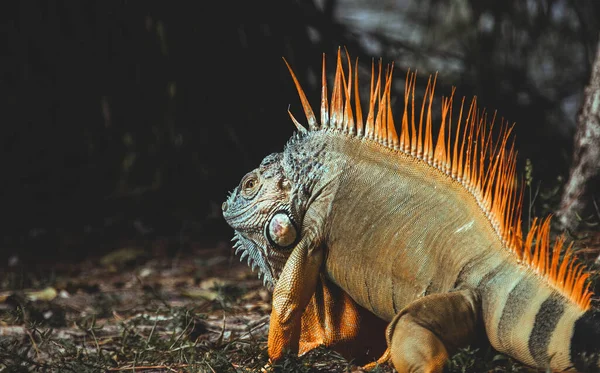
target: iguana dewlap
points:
(357, 218)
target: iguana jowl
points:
(354, 218)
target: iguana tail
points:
(537, 324)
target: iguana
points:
(356, 218)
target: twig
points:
(148, 367)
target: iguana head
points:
(260, 211)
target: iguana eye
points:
(250, 185)
(281, 231)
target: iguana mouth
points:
(232, 211)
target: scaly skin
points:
(344, 227)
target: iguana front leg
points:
(293, 291)
(425, 332)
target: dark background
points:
(132, 120)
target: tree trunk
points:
(581, 189)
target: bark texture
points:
(581, 188)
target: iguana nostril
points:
(224, 206)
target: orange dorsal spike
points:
(449, 137)
(299, 126)
(468, 152)
(336, 111)
(324, 98)
(460, 171)
(556, 250)
(517, 237)
(404, 134)
(371, 114)
(529, 241)
(490, 139)
(359, 115)
(419, 150)
(442, 152)
(580, 287)
(573, 271)
(386, 137)
(380, 117)
(492, 171)
(428, 149)
(413, 137)
(391, 128)
(376, 101)
(562, 271)
(348, 121)
(455, 160)
(310, 116)
(479, 152)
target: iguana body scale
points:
(354, 219)
(400, 252)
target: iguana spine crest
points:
(483, 166)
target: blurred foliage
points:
(147, 113)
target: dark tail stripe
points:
(545, 322)
(514, 308)
(585, 344)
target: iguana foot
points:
(382, 360)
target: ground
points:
(139, 309)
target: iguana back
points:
(354, 218)
(421, 221)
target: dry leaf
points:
(47, 294)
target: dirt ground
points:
(132, 310)
(138, 309)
